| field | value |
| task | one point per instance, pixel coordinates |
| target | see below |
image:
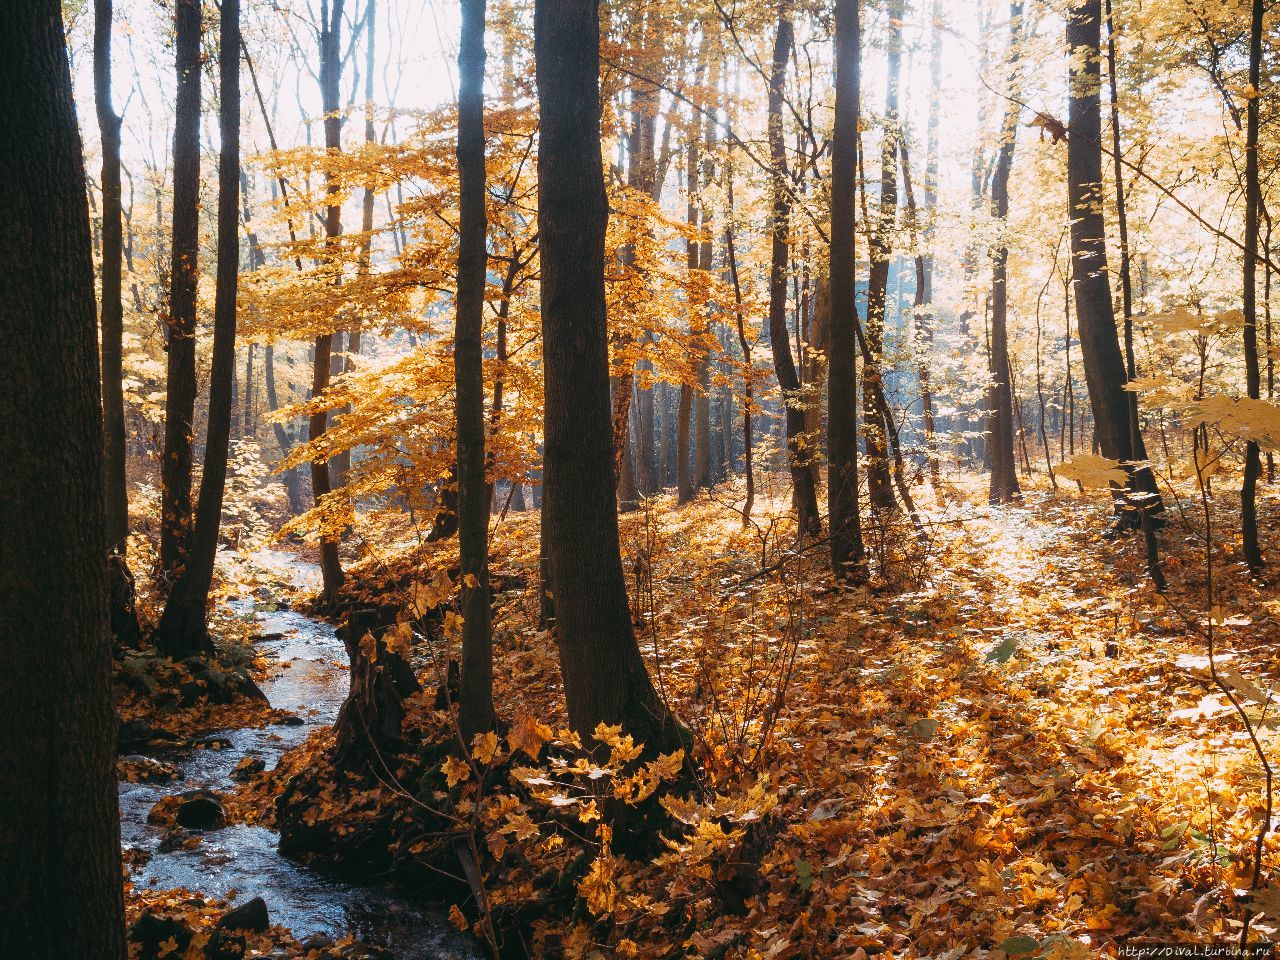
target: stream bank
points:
(307, 677)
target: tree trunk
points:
(684, 476)
(847, 551)
(117, 496)
(475, 697)
(876, 426)
(1104, 367)
(804, 495)
(180, 390)
(605, 678)
(182, 630)
(60, 848)
(924, 295)
(1147, 519)
(330, 77)
(1004, 475)
(292, 479)
(1253, 375)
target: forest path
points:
(1021, 748)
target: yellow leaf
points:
(484, 747)
(529, 735)
(455, 771)
(457, 918)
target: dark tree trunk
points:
(748, 384)
(803, 493)
(1004, 475)
(876, 426)
(1253, 375)
(475, 697)
(112, 307)
(1104, 366)
(330, 77)
(1126, 298)
(182, 630)
(847, 552)
(180, 398)
(60, 846)
(605, 678)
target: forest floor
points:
(1009, 744)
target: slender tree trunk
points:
(748, 378)
(476, 692)
(112, 307)
(1253, 376)
(182, 630)
(924, 293)
(605, 679)
(1004, 474)
(1146, 519)
(60, 871)
(876, 426)
(1104, 366)
(847, 551)
(330, 77)
(180, 398)
(804, 495)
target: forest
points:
(728, 479)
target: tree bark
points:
(605, 678)
(182, 631)
(847, 551)
(180, 390)
(60, 874)
(804, 495)
(475, 699)
(1004, 475)
(924, 295)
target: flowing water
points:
(239, 862)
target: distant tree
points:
(60, 844)
(605, 679)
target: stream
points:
(306, 678)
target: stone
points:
(200, 810)
(250, 915)
(151, 930)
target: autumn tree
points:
(605, 679)
(1253, 374)
(804, 493)
(112, 309)
(1004, 472)
(330, 37)
(1099, 342)
(60, 846)
(842, 402)
(474, 494)
(182, 631)
(180, 398)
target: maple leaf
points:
(1091, 470)
(528, 734)
(455, 771)
(485, 747)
